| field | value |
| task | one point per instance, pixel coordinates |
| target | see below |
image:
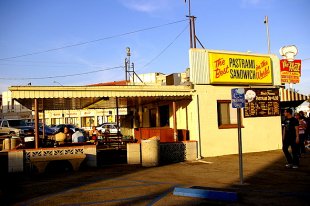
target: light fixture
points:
(128, 51)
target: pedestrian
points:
(290, 138)
(307, 132)
(93, 134)
(302, 133)
(78, 136)
(68, 132)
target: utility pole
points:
(192, 33)
(266, 21)
(127, 63)
(130, 68)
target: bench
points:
(42, 157)
(41, 162)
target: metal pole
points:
(190, 34)
(194, 31)
(240, 145)
(36, 123)
(133, 73)
(175, 131)
(190, 25)
(117, 116)
(189, 7)
(126, 69)
(199, 134)
(43, 119)
(266, 21)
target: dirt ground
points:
(266, 182)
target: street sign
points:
(238, 101)
(237, 98)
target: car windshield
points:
(14, 123)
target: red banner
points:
(290, 71)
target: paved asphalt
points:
(266, 182)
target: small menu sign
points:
(261, 102)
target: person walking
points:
(290, 138)
(302, 132)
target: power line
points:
(62, 76)
(92, 41)
(174, 40)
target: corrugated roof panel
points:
(100, 91)
(198, 63)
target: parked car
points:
(111, 126)
(72, 127)
(16, 127)
(48, 130)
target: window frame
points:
(226, 126)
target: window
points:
(5, 124)
(164, 115)
(152, 113)
(227, 116)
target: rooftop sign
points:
(239, 69)
(290, 71)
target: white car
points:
(112, 127)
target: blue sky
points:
(33, 26)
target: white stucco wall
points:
(259, 133)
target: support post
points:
(175, 132)
(36, 123)
(43, 120)
(266, 21)
(240, 146)
(117, 116)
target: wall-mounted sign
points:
(56, 115)
(240, 69)
(290, 71)
(87, 113)
(261, 102)
(237, 98)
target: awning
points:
(80, 97)
(290, 98)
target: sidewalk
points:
(267, 182)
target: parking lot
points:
(267, 182)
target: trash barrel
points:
(7, 144)
(150, 152)
(14, 142)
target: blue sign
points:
(237, 98)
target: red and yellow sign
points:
(290, 71)
(240, 69)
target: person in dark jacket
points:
(291, 139)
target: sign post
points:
(238, 101)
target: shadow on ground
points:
(267, 182)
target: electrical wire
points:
(91, 41)
(40, 63)
(158, 55)
(62, 76)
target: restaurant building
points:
(198, 110)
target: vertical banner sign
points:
(261, 102)
(240, 69)
(290, 71)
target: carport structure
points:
(40, 98)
